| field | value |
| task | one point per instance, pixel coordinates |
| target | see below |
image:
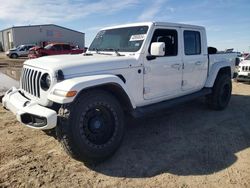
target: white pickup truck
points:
(128, 69)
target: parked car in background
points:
(54, 49)
(243, 73)
(20, 51)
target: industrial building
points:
(39, 35)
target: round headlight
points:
(45, 81)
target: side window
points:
(169, 37)
(66, 47)
(192, 42)
(22, 48)
(57, 47)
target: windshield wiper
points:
(96, 50)
(112, 49)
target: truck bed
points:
(222, 57)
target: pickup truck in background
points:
(133, 69)
(20, 51)
(54, 49)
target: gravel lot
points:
(188, 146)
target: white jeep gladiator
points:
(132, 69)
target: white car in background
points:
(20, 51)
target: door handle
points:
(198, 63)
(176, 66)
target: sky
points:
(227, 21)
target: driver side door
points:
(23, 51)
(163, 75)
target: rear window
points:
(192, 42)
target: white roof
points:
(169, 24)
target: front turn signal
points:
(71, 94)
(64, 93)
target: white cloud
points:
(151, 13)
(50, 11)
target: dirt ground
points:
(187, 146)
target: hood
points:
(13, 49)
(80, 64)
(244, 63)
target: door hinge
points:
(183, 82)
(146, 70)
(146, 90)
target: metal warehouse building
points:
(39, 34)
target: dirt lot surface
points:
(188, 146)
(4, 60)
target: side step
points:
(149, 109)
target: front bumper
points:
(243, 76)
(28, 112)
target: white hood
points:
(245, 62)
(79, 64)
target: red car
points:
(54, 49)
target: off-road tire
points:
(221, 93)
(75, 129)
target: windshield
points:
(20, 47)
(48, 47)
(127, 39)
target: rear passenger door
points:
(195, 60)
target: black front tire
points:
(92, 127)
(221, 93)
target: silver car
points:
(20, 51)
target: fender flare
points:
(85, 82)
(214, 70)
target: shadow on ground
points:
(187, 140)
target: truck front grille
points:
(246, 68)
(30, 81)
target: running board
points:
(149, 109)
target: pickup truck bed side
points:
(216, 63)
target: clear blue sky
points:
(227, 21)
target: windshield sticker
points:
(137, 37)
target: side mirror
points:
(157, 49)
